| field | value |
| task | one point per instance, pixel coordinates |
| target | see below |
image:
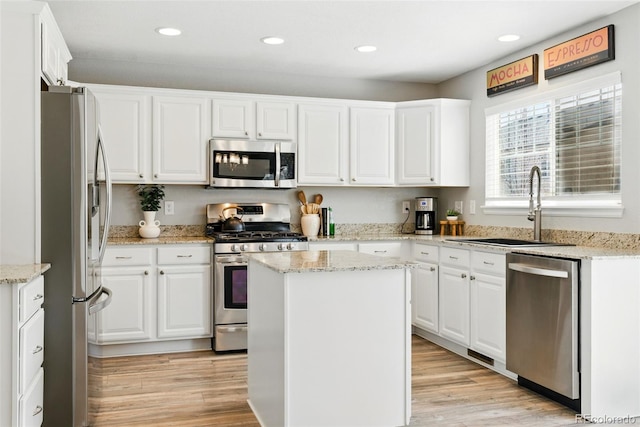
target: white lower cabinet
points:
(22, 353)
(394, 249)
(161, 292)
(424, 288)
(488, 304)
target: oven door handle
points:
(276, 175)
(231, 260)
(232, 328)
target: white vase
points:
(149, 227)
(310, 224)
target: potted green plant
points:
(150, 198)
(452, 214)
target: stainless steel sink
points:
(496, 241)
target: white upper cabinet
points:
(180, 139)
(125, 119)
(323, 144)
(432, 141)
(55, 55)
(234, 118)
(371, 146)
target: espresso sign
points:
(518, 74)
(582, 52)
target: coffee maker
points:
(426, 214)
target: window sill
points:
(600, 210)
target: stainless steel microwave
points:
(252, 164)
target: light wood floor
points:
(205, 389)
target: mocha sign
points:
(517, 74)
(584, 51)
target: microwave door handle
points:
(277, 172)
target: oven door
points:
(257, 164)
(230, 289)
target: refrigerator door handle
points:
(107, 178)
(95, 305)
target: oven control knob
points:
(262, 247)
(290, 246)
(235, 248)
(244, 247)
(280, 247)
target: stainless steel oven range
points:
(266, 229)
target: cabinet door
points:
(180, 139)
(454, 304)
(424, 299)
(322, 144)
(128, 317)
(233, 119)
(414, 139)
(371, 146)
(488, 315)
(275, 120)
(184, 301)
(125, 119)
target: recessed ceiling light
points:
(166, 31)
(366, 48)
(509, 38)
(272, 40)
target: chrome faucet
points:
(535, 215)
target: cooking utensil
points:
(317, 199)
(302, 197)
(232, 223)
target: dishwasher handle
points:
(538, 271)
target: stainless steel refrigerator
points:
(76, 207)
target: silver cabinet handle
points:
(431, 179)
(37, 410)
(123, 257)
(37, 350)
(463, 275)
(37, 297)
(141, 176)
(524, 268)
(424, 253)
(453, 257)
(487, 263)
(353, 179)
(246, 133)
(472, 277)
(432, 269)
(259, 133)
(185, 256)
(155, 175)
(341, 179)
(161, 271)
(146, 272)
(380, 252)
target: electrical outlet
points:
(406, 206)
(168, 207)
(472, 207)
(458, 206)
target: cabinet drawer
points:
(120, 255)
(31, 297)
(333, 246)
(383, 249)
(31, 350)
(490, 263)
(457, 257)
(31, 404)
(427, 253)
(184, 254)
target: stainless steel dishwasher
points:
(542, 325)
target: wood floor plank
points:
(203, 389)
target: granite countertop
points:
(575, 252)
(328, 261)
(162, 240)
(12, 274)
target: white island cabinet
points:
(329, 339)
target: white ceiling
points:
(424, 41)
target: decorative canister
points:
(310, 224)
(149, 227)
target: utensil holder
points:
(310, 224)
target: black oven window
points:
(235, 287)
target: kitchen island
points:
(329, 339)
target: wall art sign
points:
(515, 75)
(582, 52)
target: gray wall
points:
(472, 85)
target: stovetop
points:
(255, 236)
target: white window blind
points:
(573, 135)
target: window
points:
(573, 135)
